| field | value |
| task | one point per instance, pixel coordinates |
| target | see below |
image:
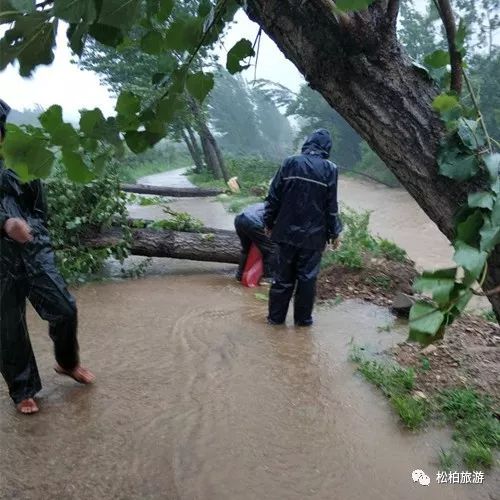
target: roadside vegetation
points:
(476, 428)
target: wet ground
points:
(197, 398)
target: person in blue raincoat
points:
(28, 271)
(249, 226)
(301, 215)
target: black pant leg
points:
(241, 230)
(17, 361)
(308, 266)
(283, 284)
(267, 249)
(51, 299)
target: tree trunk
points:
(194, 142)
(198, 163)
(217, 246)
(208, 138)
(170, 191)
(210, 156)
(355, 61)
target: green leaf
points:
(353, 5)
(73, 11)
(138, 142)
(437, 59)
(425, 319)
(76, 168)
(456, 165)
(492, 162)
(166, 7)
(490, 236)
(30, 41)
(445, 102)
(92, 122)
(200, 84)
(51, 118)
(27, 154)
(204, 8)
(128, 103)
(440, 283)
(461, 35)
(183, 34)
(471, 135)
(107, 35)
(167, 107)
(23, 5)
(157, 78)
(482, 199)
(461, 297)
(241, 50)
(62, 134)
(468, 230)
(121, 14)
(77, 34)
(495, 213)
(152, 42)
(470, 258)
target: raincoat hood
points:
(319, 142)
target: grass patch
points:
(392, 379)
(412, 412)
(357, 242)
(476, 430)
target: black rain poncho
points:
(28, 271)
(302, 212)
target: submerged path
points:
(197, 398)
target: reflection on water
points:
(198, 398)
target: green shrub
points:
(76, 209)
(357, 242)
(390, 250)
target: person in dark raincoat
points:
(28, 271)
(302, 215)
(249, 226)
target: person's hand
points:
(18, 230)
(268, 232)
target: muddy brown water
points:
(197, 398)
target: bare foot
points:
(27, 406)
(79, 374)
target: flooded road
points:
(197, 398)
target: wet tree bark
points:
(170, 191)
(355, 61)
(198, 163)
(215, 246)
(196, 147)
(211, 149)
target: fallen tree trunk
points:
(175, 192)
(216, 246)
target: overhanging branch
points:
(392, 12)
(446, 13)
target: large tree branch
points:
(446, 12)
(392, 12)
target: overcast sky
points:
(64, 83)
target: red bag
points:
(254, 268)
